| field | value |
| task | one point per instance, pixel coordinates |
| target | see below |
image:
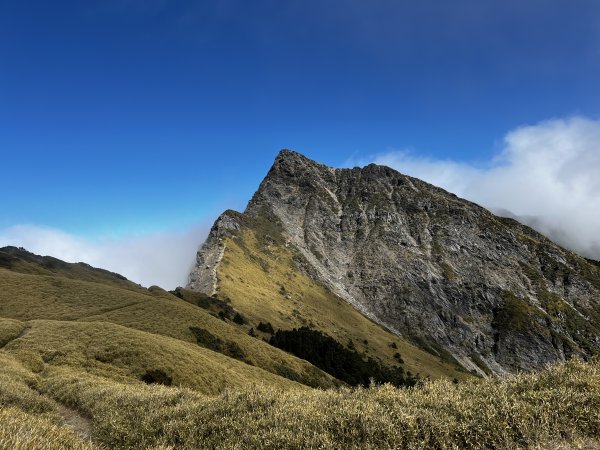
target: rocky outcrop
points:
(433, 268)
(203, 277)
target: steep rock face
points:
(433, 268)
(203, 277)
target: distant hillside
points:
(20, 260)
(78, 316)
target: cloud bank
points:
(547, 176)
(163, 259)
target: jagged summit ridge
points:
(434, 268)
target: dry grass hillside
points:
(101, 363)
(165, 318)
(121, 353)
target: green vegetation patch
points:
(515, 314)
(448, 272)
(208, 340)
(345, 364)
(265, 327)
(590, 270)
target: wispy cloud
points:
(163, 259)
(548, 175)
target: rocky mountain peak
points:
(431, 267)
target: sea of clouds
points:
(163, 259)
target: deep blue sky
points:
(121, 116)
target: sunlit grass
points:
(122, 353)
(9, 330)
(521, 411)
(19, 430)
(25, 297)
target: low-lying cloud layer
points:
(163, 259)
(547, 176)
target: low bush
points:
(157, 376)
(265, 327)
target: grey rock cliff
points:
(433, 268)
(203, 277)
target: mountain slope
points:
(437, 270)
(259, 276)
(114, 308)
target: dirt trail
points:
(24, 332)
(101, 313)
(76, 422)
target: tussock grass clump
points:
(520, 411)
(17, 388)
(9, 329)
(19, 430)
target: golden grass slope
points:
(124, 354)
(10, 329)
(173, 317)
(29, 420)
(258, 275)
(17, 388)
(552, 409)
(20, 260)
(26, 297)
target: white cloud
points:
(163, 259)
(548, 175)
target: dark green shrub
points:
(157, 376)
(343, 363)
(239, 319)
(208, 340)
(265, 327)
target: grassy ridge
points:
(25, 297)
(121, 353)
(20, 260)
